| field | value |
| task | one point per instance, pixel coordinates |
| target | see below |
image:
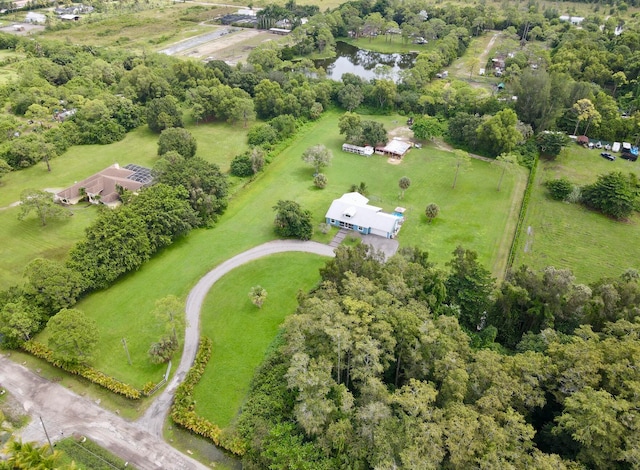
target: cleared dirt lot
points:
(232, 47)
(22, 29)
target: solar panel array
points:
(140, 174)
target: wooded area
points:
(380, 368)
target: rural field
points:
(570, 236)
(473, 214)
(241, 332)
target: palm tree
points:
(404, 184)
(258, 295)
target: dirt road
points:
(63, 413)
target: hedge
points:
(89, 373)
(183, 408)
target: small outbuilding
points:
(366, 150)
(395, 148)
(35, 18)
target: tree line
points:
(401, 364)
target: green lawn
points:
(568, 235)
(30, 240)
(473, 214)
(388, 45)
(241, 332)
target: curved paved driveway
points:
(156, 414)
(141, 442)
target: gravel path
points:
(140, 443)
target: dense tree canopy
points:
(613, 194)
(367, 375)
(179, 140)
(72, 336)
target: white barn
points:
(367, 150)
(353, 212)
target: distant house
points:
(105, 186)
(248, 12)
(35, 18)
(367, 150)
(76, 9)
(353, 212)
(64, 114)
(395, 148)
(279, 31)
(574, 20)
(69, 17)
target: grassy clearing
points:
(382, 44)
(241, 332)
(30, 240)
(474, 214)
(568, 235)
(149, 29)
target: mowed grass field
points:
(570, 236)
(241, 332)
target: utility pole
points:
(46, 434)
(124, 344)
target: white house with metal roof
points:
(353, 212)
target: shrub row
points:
(523, 213)
(89, 373)
(183, 408)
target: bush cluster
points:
(95, 376)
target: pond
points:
(365, 64)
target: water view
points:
(365, 64)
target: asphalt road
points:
(140, 442)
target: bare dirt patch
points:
(22, 29)
(232, 48)
(402, 132)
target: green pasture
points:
(570, 236)
(474, 214)
(387, 44)
(241, 332)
